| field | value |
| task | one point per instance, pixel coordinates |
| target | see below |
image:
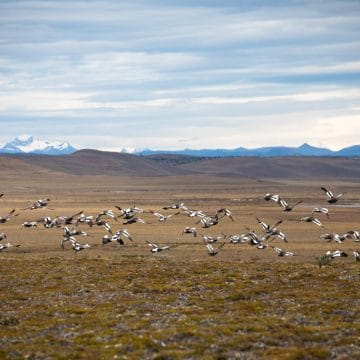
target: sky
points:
(176, 74)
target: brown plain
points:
(241, 283)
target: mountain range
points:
(272, 151)
(27, 144)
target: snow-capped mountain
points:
(28, 144)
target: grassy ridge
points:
(153, 307)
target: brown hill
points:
(279, 167)
(93, 162)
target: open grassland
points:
(125, 302)
(154, 307)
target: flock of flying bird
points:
(69, 225)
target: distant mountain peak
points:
(29, 145)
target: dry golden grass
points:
(125, 302)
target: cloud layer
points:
(174, 74)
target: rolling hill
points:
(94, 162)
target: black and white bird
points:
(38, 204)
(134, 220)
(189, 230)
(214, 251)
(118, 237)
(271, 230)
(156, 248)
(2, 236)
(193, 213)
(272, 197)
(224, 212)
(77, 246)
(109, 213)
(174, 206)
(332, 199)
(129, 212)
(6, 246)
(356, 254)
(334, 237)
(354, 234)
(209, 221)
(6, 218)
(237, 238)
(336, 253)
(281, 252)
(286, 206)
(211, 239)
(312, 219)
(29, 224)
(321, 210)
(161, 217)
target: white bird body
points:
(189, 230)
(29, 224)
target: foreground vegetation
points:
(156, 308)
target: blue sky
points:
(183, 73)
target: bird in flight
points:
(332, 199)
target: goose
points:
(193, 213)
(209, 221)
(267, 228)
(332, 199)
(68, 220)
(211, 239)
(130, 212)
(354, 234)
(78, 247)
(312, 219)
(82, 219)
(124, 233)
(321, 210)
(116, 237)
(334, 237)
(224, 212)
(336, 253)
(104, 224)
(214, 251)
(286, 206)
(6, 218)
(109, 213)
(29, 224)
(49, 223)
(236, 238)
(6, 246)
(38, 204)
(174, 206)
(156, 248)
(281, 252)
(189, 230)
(2, 236)
(69, 231)
(272, 230)
(269, 197)
(356, 254)
(134, 220)
(161, 217)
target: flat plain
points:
(122, 301)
